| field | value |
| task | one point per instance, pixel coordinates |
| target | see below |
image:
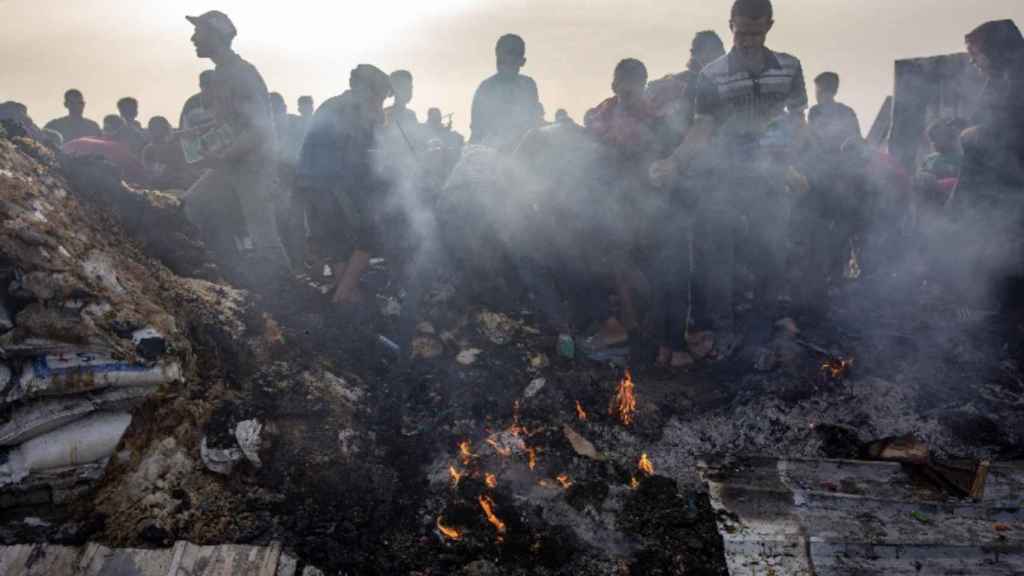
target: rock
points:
(498, 328)
(581, 445)
(468, 357)
(534, 387)
(481, 568)
(247, 433)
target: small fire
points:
(488, 506)
(449, 533)
(837, 368)
(623, 406)
(580, 412)
(645, 465)
(532, 455)
(491, 480)
(465, 452)
(455, 475)
(564, 480)
(634, 483)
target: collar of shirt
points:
(771, 61)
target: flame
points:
(465, 452)
(634, 483)
(449, 533)
(564, 480)
(488, 506)
(532, 454)
(837, 368)
(623, 406)
(645, 465)
(455, 475)
(491, 480)
(580, 412)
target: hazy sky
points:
(114, 48)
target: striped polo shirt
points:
(749, 109)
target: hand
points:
(662, 171)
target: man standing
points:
(196, 110)
(336, 179)
(832, 123)
(673, 96)
(239, 149)
(505, 105)
(74, 125)
(751, 103)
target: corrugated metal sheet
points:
(831, 518)
(183, 559)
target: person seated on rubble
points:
(337, 182)
(74, 125)
(939, 173)
(673, 96)
(163, 157)
(197, 109)
(505, 105)
(132, 134)
(831, 123)
(994, 145)
(16, 113)
(233, 205)
(306, 110)
(111, 148)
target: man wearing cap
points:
(336, 180)
(238, 147)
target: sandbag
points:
(87, 440)
(38, 418)
(59, 375)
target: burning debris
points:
(449, 533)
(623, 405)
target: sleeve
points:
(707, 101)
(478, 126)
(797, 101)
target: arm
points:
(477, 125)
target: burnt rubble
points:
(256, 421)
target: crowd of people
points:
(700, 193)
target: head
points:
(510, 53)
(112, 126)
(706, 47)
(944, 134)
(750, 22)
(205, 81)
(13, 110)
(562, 116)
(630, 81)
(371, 86)
(128, 108)
(278, 107)
(213, 35)
(995, 45)
(434, 117)
(401, 85)
(306, 106)
(159, 129)
(74, 102)
(826, 86)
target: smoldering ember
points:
(711, 329)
